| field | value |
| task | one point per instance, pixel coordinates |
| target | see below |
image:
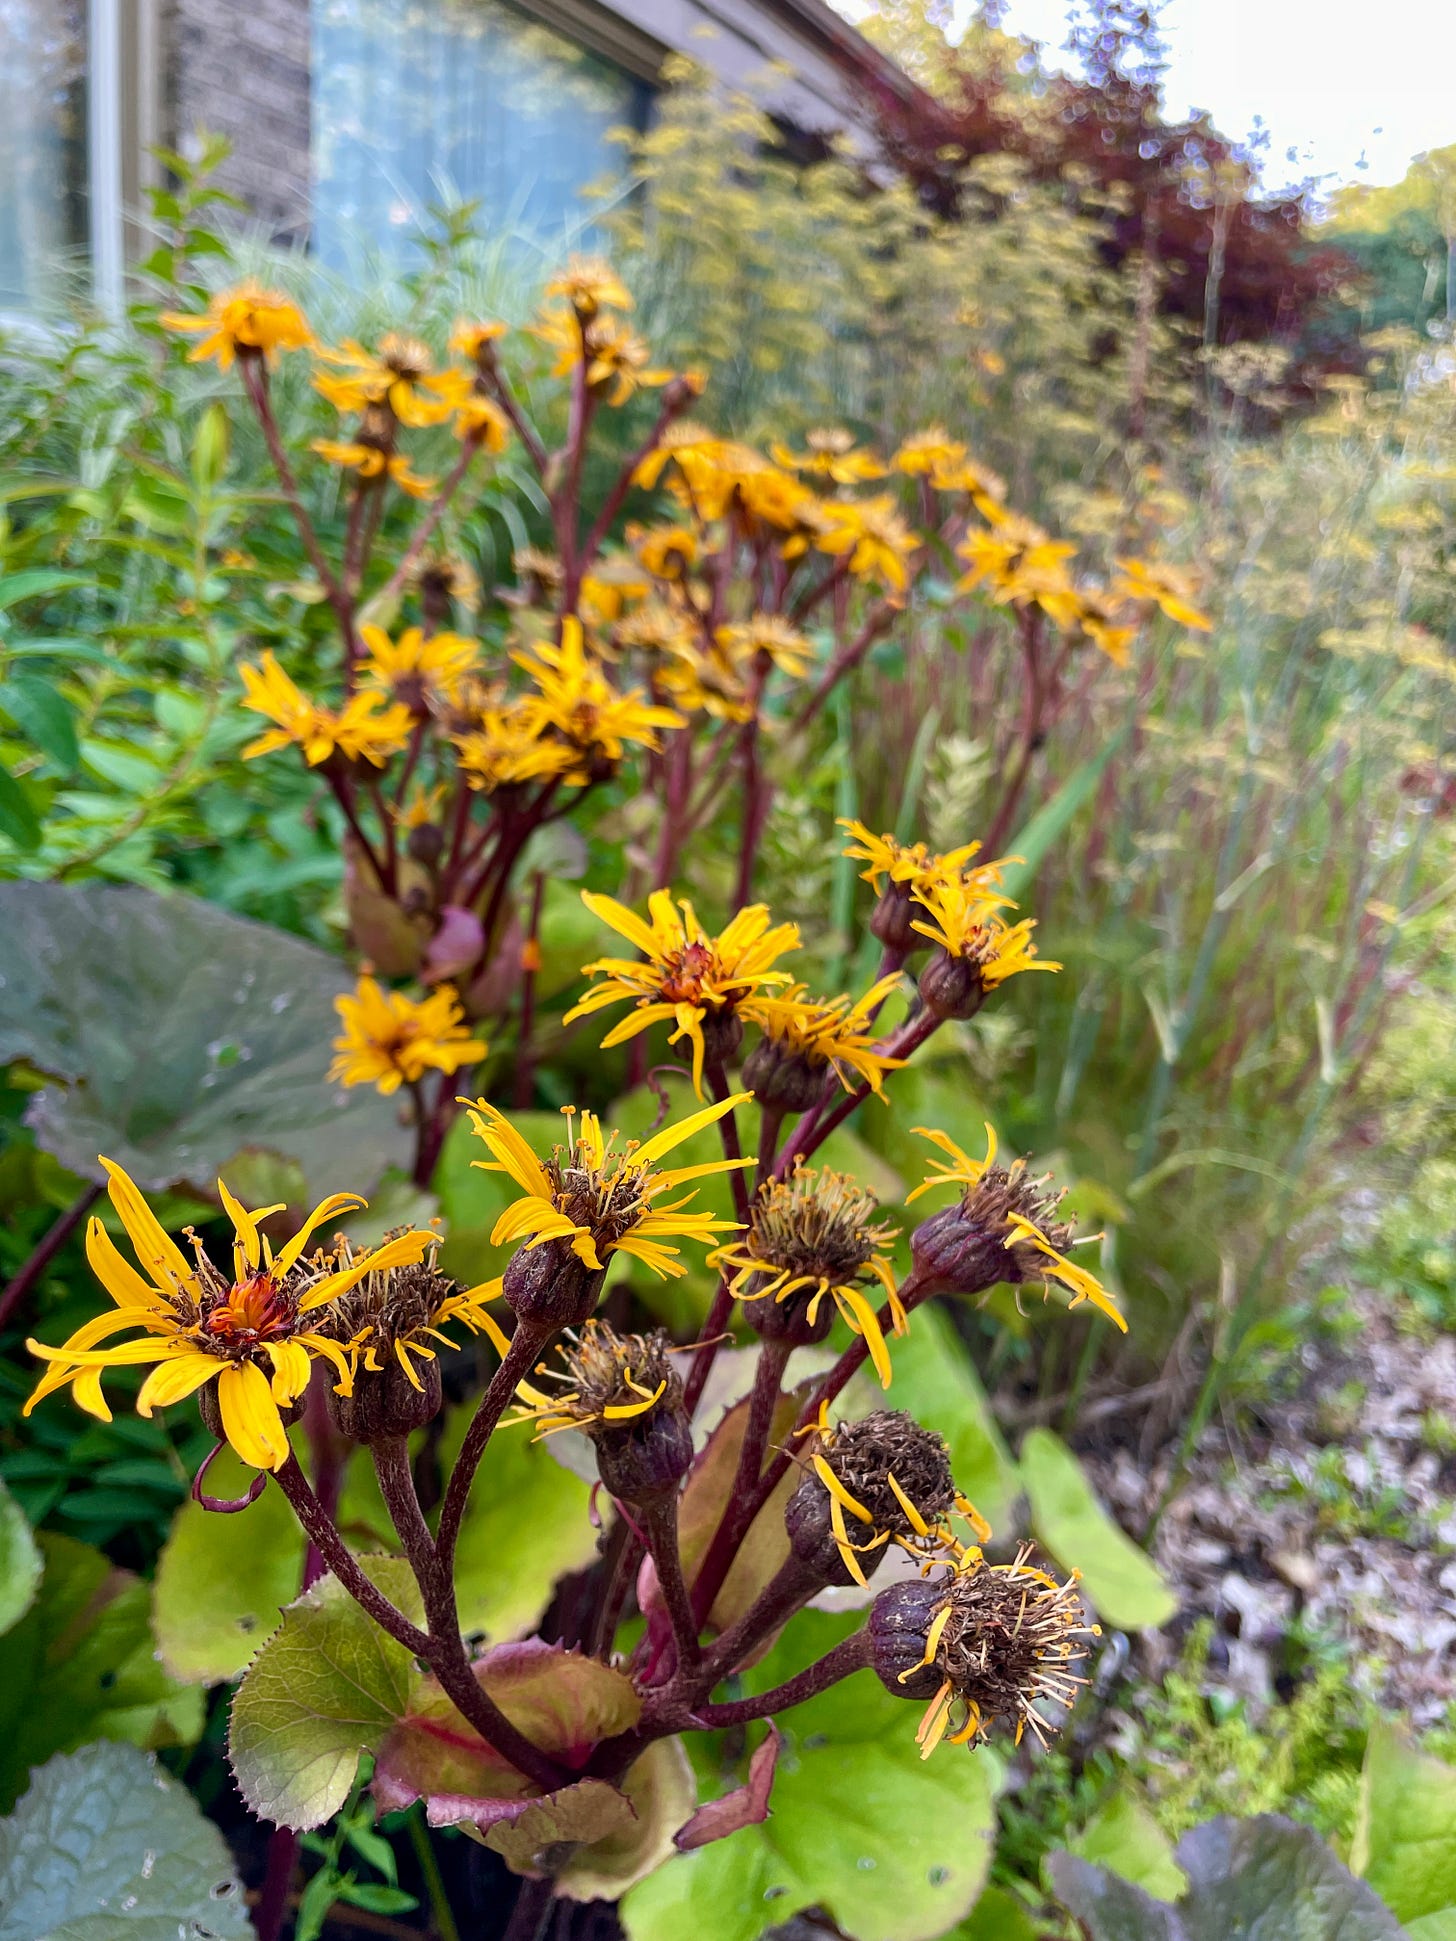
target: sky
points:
(1354, 90)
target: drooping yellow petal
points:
(173, 1380)
(250, 1417)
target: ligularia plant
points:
(743, 1472)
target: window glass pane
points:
(42, 148)
(419, 101)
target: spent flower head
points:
(813, 1246)
(623, 1392)
(1002, 1227)
(866, 1484)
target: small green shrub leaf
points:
(40, 711)
(20, 1564)
(105, 1846)
(18, 820)
(1405, 1829)
(895, 1848)
(1122, 1582)
(326, 1686)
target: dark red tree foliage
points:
(1238, 266)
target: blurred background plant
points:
(1239, 844)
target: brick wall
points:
(242, 70)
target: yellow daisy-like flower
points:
(255, 1332)
(599, 1197)
(771, 634)
(616, 358)
(830, 454)
(400, 375)
(1097, 618)
(391, 1040)
(470, 336)
(933, 450)
(364, 729)
(825, 1034)
(893, 861)
(690, 446)
(1017, 564)
(1165, 588)
(667, 552)
(962, 917)
(576, 701)
(372, 462)
(1008, 1201)
(246, 319)
(400, 1314)
(812, 1239)
(477, 415)
(690, 979)
(416, 666)
(509, 746)
(873, 534)
(589, 284)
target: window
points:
(43, 211)
(419, 101)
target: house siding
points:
(243, 72)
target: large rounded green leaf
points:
(210, 1617)
(19, 1562)
(177, 1035)
(106, 1846)
(1122, 1583)
(936, 1383)
(81, 1665)
(325, 1687)
(894, 1847)
(1405, 1831)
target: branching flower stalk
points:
(677, 653)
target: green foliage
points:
(1123, 1837)
(1405, 1833)
(1123, 1584)
(105, 1846)
(1257, 1876)
(354, 1841)
(20, 1562)
(325, 1688)
(81, 1665)
(895, 1849)
(179, 1035)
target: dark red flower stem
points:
(659, 1524)
(528, 1344)
(44, 1252)
(850, 1655)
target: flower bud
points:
(893, 915)
(550, 1285)
(900, 1620)
(952, 987)
(846, 1509)
(782, 1079)
(425, 842)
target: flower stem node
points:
(623, 1391)
(869, 1482)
